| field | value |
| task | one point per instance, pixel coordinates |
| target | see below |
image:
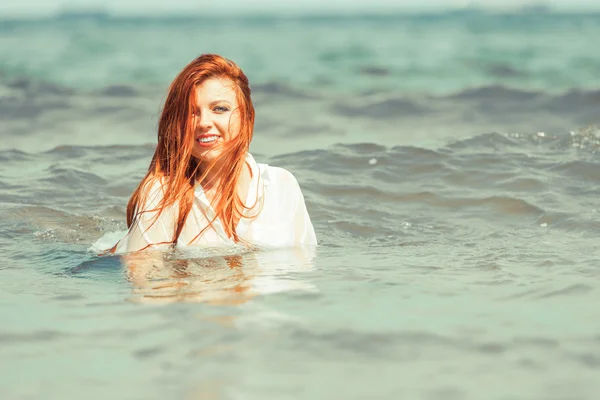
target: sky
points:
(9, 8)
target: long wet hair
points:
(173, 162)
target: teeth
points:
(207, 139)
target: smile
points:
(207, 140)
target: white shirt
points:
(283, 220)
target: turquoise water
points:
(432, 54)
(450, 166)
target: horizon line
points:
(387, 13)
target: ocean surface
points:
(450, 164)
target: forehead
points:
(216, 89)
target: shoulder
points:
(152, 191)
(282, 185)
(281, 176)
(154, 185)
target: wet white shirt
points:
(283, 220)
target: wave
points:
(364, 189)
(119, 91)
(488, 106)
(279, 89)
(36, 87)
(582, 171)
(389, 108)
(495, 92)
(15, 155)
(490, 98)
(27, 104)
(505, 205)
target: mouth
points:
(207, 140)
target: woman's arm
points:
(151, 228)
(304, 233)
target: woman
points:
(203, 187)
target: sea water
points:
(450, 164)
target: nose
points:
(204, 121)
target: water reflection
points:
(218, 279)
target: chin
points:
(205, 155)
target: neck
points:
(213, 177)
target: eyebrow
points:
(214, 103)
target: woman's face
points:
(216, 118)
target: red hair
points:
(173, 162)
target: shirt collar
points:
(255, 190)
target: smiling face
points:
(216, 118)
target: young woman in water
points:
(203, 187)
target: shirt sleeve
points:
(149, 228)
(304, 233)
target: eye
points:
(220, 109)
